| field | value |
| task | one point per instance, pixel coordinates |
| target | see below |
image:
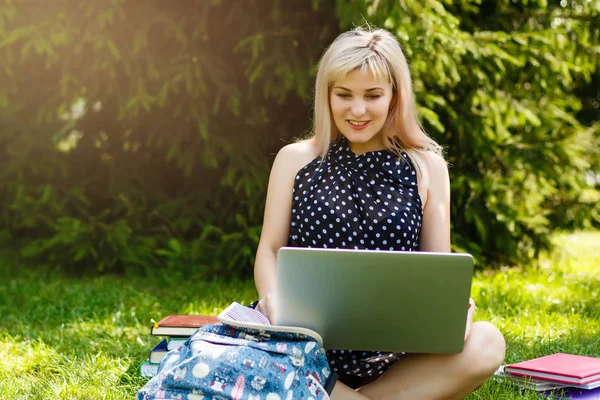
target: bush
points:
(138, 136)
(494, 81)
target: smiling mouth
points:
(358, 123)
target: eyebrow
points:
(368, 90)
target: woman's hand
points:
(470, 313)
(266, 306)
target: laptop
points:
(394, 301)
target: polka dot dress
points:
(368, 201)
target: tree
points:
(138, 135)
(494, 80)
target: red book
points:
(559, 367)
(181, 325)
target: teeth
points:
(358, 123)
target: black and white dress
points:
(368, 201)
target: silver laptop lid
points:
(376, 300)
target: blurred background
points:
(137, 136)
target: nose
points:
(358, 108)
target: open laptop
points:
(393, 301)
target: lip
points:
(358, 128)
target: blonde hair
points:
(378, 52)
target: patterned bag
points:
(224, 362)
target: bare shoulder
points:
(431, 165)
(433, 176)
(438, 177)
(437, 167)
(292, 157)
(305, 150)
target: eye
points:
(374, 96)
(343, 95)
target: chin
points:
(359, 137)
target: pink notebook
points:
(559, 367)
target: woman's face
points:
(360, 105)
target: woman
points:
(370, 165)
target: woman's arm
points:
(435, 229)
(277, 218)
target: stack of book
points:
(175, 329)
(560, 375)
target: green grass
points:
(67, 338)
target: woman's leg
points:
(431, 377)
(343, 392)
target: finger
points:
(472, 304)
(469, 321)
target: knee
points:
(485, 348)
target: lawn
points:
(66, 338)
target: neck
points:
(374, 144)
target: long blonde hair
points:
(378, 52)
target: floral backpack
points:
(224, 362)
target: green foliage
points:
(494, 82)
(78, 243)
(137, 136)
